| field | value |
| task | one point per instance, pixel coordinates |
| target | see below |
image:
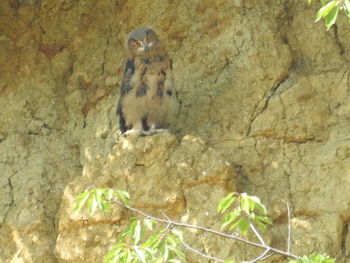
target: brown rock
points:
(260, 84)
(163, 176)
(51, 50)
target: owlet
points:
(147, 96)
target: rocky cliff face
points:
(264, 109)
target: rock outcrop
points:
(183, 181)
(265, 109)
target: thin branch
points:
(165, 215)
(260, 257)
(256, 232)
(267, 256)
(169, 227)
(275, 250)
(200, 253)
(289, 229)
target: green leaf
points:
(178, 253)
(245, 203)
(137, 233)
(131, 258)
(331, 17)
(131, 228)
(109, 256)
(140, 254)
(225, 203)
(82, 195)
(98, 197)
(324, 11)
(92, 204)
(113, 256)
(153, 241)
(149, 223)
(123, 196)
(230, 261)
(347, 4)
(165, 252)
(252, 201)
(124, 256)
(313, 258)
(109, 194)
(260, 225)
(119, 245)
(81, 200)
(243, 226)
(150, 252)
(177, 233)
(261, 208)
(321, 258)
(124, 233)
(234, 225)
(170, 239)
(106, 207)
(264, 219)
(230, 218)
(123, 193)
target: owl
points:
(147, 97)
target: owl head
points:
(142, 42)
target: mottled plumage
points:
(147, 96)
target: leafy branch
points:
(330, 9)
(242, 214)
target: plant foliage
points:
(330, 9)
(100, 198)
(242, 211)
(161, 246)
(140, 242)
(314, 258)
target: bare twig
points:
(200, 253)
(274, 250)
(169, 227)
(165, 215)
(256, 232)
(260, 257)
(267, 256)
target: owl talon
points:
(154, 129)
(157, 131)
(132, 132)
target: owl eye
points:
(137, 44)
(148, 39)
